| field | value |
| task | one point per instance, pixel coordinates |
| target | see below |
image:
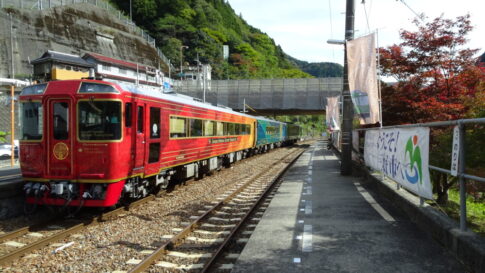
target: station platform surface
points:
(320, 221)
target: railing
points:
(46, 4)
(460, 171)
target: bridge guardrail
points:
(461, 170)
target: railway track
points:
(202, 244)
(17, 243)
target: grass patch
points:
(475, 211)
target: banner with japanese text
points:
(361, 60)
(402, 154)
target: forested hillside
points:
(319, 70)
(205, 26)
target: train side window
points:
(178, 127)
(128, 114)
(61, 120)
(195, 127)
(209, 128)
(237, 129)
(220, 129)
(154, 152)
(231, 129)
(140, 120)
(154, 122)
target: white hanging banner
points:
(402, 154)
(361, 60)
(333, 113)
(455, 150)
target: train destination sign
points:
(222, 140)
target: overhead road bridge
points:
(266, 97)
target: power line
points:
(366, 16)
(415, 13)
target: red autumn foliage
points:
(435, 73)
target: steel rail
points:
(63, 234)
(208, 266)
(175, 240)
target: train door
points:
(140, 139)
(60, 138)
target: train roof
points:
(153, 92)
(175, 97)
(268, 119)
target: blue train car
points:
(269, 134)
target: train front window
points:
(99, 120)
(31, 120)
(91, 87)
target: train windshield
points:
(99, 120)
(31, 120)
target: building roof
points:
(60, 57)
(116, 62)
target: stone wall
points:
(75, 29)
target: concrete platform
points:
(320, 221)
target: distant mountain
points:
(319, 70)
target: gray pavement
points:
(320, 221)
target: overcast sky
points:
(302, 27)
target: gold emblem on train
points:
(61, 151)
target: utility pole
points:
(348, 111)
(182, 59)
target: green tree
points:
(436, 75)
(3, 135)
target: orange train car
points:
(94, 143)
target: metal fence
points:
(462, 175)
(125, 19)
(6, 125)
(304, 94)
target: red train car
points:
(93, 143)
